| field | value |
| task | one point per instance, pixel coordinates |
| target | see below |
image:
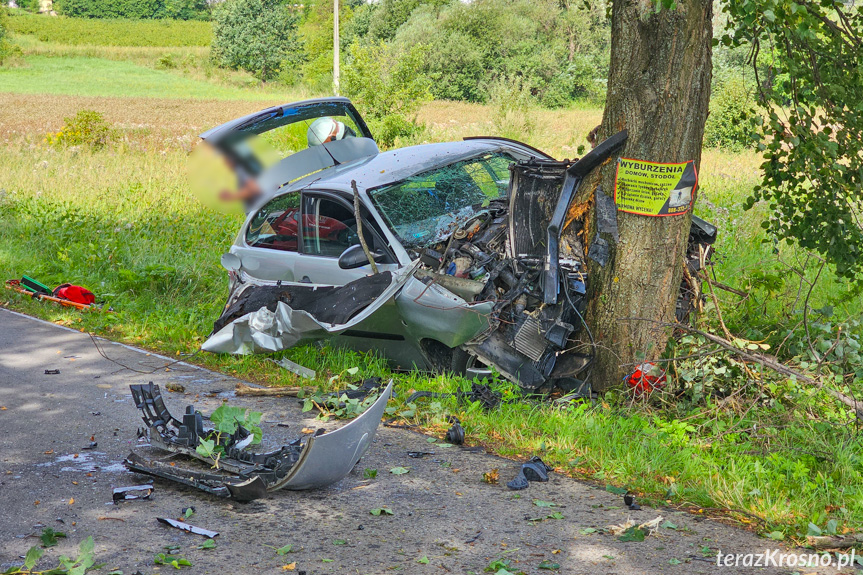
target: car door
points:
(271, 242)
(329, 227)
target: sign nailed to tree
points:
(654, 189)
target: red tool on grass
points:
(66, 294)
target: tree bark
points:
(658, 89)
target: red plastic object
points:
(646, 377)
(75, 294)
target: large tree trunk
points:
(658, 89)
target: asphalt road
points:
(442, 510)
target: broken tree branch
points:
(765, 360)
(358, 217)
(832, 542)
(243, 389)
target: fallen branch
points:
(243, 389)
(359, 218)
(727, 288)
(835, 542)
(772, 363)
(763, 359)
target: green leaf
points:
(541, 503)
(674, 561)
(49, 537)
(556, 515)
(423, 560)
(776, 535)
(587, 531)
(32, 557)
(340, 541)
(832, 525)
(633, 534)
(208, 544)
(813, 530)
(669, 525)
(546, 564)
(370, 473)
(399, 470)
(285, 550)
(381, 511)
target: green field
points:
(122, 221)
(82, 31)
(85, 76)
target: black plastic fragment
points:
(419, 454)
(629, 501)
(52, 372)
(183, 526)
(133, 492)
(534, 469)
(91, 445)
(455, 434)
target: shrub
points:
(86, 128)
(729, 124)
(512, 101)
(387, 88)
(254, 35)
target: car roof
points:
(396, 165)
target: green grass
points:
(84, 31)
(85, 76)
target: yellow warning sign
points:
(653, 188)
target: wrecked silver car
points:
(442, 257)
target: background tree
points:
(259, 36)
(658, 89)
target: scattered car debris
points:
(534, 469)
(183, 526)
(479, 392)
(629, 501)
(52, 372)
(455, 434)
(294, 367)
(133, 492)
(246, 475)
(419, 454)
(90, 446)
(645, 378)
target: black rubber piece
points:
(520, 482)
(455, 434)
(535, 470)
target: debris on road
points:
(294, 367)
(245, 475)
(629, 501)
(534, 469)
(175, 387)
(52, 372)
(247, 390)
(133, 492)
(183, 526)
(455, 434)
(65, 294)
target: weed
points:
(86, 128)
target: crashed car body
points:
(460, 233)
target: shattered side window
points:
(425, 208)
(276, 225)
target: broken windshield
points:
(427, 207)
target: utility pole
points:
(336, 47)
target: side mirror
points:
(231, 262)
(354, 257)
